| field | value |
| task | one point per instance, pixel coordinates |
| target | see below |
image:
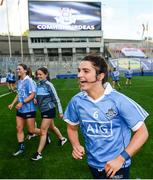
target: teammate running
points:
(26, 110)
(47, 99)
(128, 75)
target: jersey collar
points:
(108, 89)
(26, 77)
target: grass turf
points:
(3, 89)
(57, 162)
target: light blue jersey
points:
(115, 75)
(11, 77)
(8, 76)
(129, 73)
(24, 88)
(106, 123)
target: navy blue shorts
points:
(123, 173)
(51, 114)
(26, 115)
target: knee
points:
(43, 132)
(19, 129)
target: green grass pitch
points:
(57, 162)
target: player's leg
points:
(20, 121)
(130, 82)
(11, 86)
(113, 84)
(62, 140)
(32, 125)
(8, 85)
(43, 137)
(118, 84)
(127, 80)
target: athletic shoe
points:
(30, 136)
(14, 90)
(19, 151)
(62, 141)
(48, 140)
(36, 156)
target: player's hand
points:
(10, 106)
(61, 116)
(78, 152)
(19, 105)
(113, 166)
(35, 101)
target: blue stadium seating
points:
(65, 76)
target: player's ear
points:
(100, 76)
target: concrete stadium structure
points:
(58, 63)
(15, 45)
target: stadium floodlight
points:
(8, 28)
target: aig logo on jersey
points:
(110, 114)
(98, 129)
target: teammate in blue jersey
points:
(47, 99)
(26, 110)
(106, 118)
(8, 80)
(11, 79)
(128, 75)
(116, 78)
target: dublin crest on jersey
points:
(111, 113)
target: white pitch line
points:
(4, 94)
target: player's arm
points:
(54, 93)
(29, 98)
(78, 150)
(26, 100)
(139, 138)
(10, 106)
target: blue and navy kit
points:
(129, 73)
(115, 75)
(24, 88)
(47, 97)
(10, 77)
(106, 123)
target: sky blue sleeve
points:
(31, 86)
(71, 114)
(131, 111)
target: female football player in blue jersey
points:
(116, 78)
(8, 80)
(106, 118)
(47, 99)
(128, 75)
(26, 110)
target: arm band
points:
(125, 155)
